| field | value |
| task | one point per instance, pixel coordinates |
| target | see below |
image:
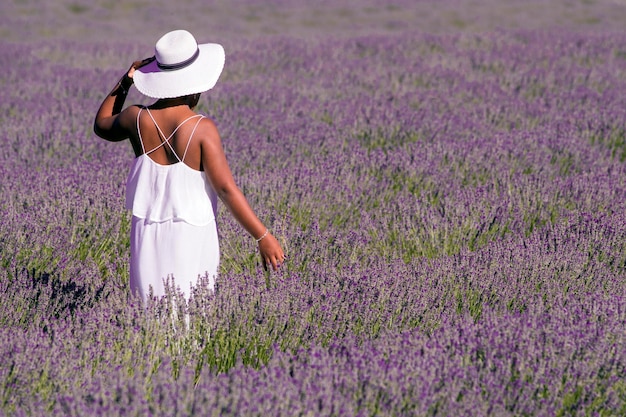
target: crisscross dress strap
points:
(166, 139)
(139, 131)
(191, 136)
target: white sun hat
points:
(181, 67)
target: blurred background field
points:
(145, 21)
(448, 178)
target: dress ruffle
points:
(159, 193)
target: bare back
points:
(169, 135)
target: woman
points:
(180, 168)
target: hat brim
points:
(200, 76)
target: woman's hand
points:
(138, 64)
(271, 252)
(127, 79)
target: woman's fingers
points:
(273, 261)
(139, 64)
(271, 253)
(145, 62)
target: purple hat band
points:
(179, 65)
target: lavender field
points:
(447, 177)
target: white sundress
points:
(173, 230)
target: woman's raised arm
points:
(110, 122)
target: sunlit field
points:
(448, 179)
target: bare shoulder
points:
(208, 124)
(128, 117)
(208, 133)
